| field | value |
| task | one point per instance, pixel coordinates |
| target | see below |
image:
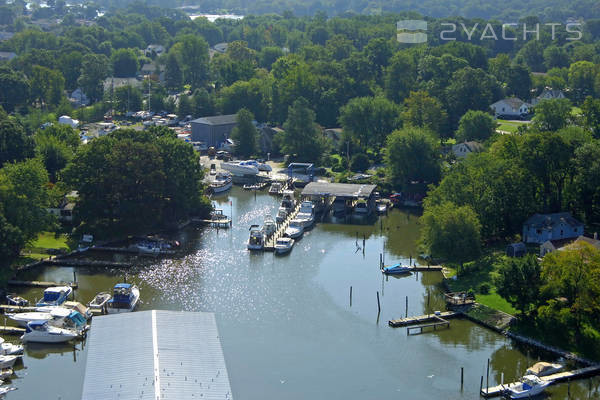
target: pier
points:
(131, 251)
(422, 319)
(554, 378)
(11, 330)
(87, 263)
(271, 240)
(41, 284)
(418, 329)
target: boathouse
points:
(155, 355)
(326, 193)
(214, 130)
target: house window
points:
(502, 109)
(538, 231)
(561, 232)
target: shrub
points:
(484, 288)
(359, 163)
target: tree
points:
(128, 98)
(359, 163)
(552, 114)
(185, 106)
(518, 81)
(400, 77)
(14, 89)
(268, 55)
(451, 232)
(423, 111)
(582, 76)
(411, 154)
(244, 134)
(532, 54)
(590, 110)
(54, 153)
(47, 86)
(124, 62)
(302, 138)
(251, 95)
(15, 145)
(173, 72)
(519, 282)
(94, 69)
(194, 60)
(203, 103)
(556, 57)
(475, 125)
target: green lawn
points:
(509, 126)
(48, 240)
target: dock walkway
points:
(422, 319)
(270, 241)
(554, 378)
(80, 262)
(41, 284)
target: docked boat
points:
(8, 349)
(288, 201)
(269, 226)
(222, 183)
(4, 390)
(529, 386)
(15, 300)
(6, 373)
(42, 332)
(257, 238)
(148, 248)
(381, 207)
(125, 298)
(282, 214)
(295, 229)
(361, 208)
(307, 207)
(43, 314)
(276, 188)
(241, 168)
(8, 361)
(543, 368)
(55, 296)
(307, 219)
(284, 245)
(396, 269)
(213, 169)
(99, 301)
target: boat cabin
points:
(122, 296)
(55, 296)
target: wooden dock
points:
(426, 268)
(11, 330)
(421, 319)
(130, 251)
(554, 378)
(87, 263)
(41, 284)
(419, 329)
(270, 241)
(11, 308)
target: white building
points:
(511, 107)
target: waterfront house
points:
(548, 94)
(556, 245)
(461, 150)
(542, 227)
(213, 130)
(64, 211)
(511, 107)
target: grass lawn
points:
(509, 126)
(48, 240)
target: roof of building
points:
(588, 240)
(559, 243)
(471, 146)
(513, 102)
(155, 355)
(217, 120)
(338, 189)
(551, 93)
(549, 220)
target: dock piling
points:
(462, 377)
(481, 384)
(487, 377)
(406, 310)
(350, 296)
(378, 304)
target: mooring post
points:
(364, 238)
(481, 384)
(378, 304)
(462, 376)
(350, 296)
(487, 378)
(406, 311)
(380, 261)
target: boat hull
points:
(49, 337)
(134, 302)
(8, 361)
(221, 188)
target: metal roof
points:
(155, 355)
(217, 120)
(338, 189)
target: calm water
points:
(287, 327)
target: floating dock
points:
(41, 284)
(554, 378)
(270, 241)
(422, 319)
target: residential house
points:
(461, 150)
(64, 210)
(557, 245)
(78, 98)
(511, 107)
(542, 227)
(548, 94)
(214, 130)
(151, 69)
(7, 55)
(154, 50)
(266, 136)
(5, 35)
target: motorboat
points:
(148, 248)
(4, 390)
(260, 165)
(282, 214)
(222, 183)
(213, 169)
(241, 168)
(55, 296)
(307, 219)
(295, 229)
(8, 361)
(543, 368)
(42, 314)
(381, 207)
(396, 269)
(125, 298)
(529, 386)
(8, 349)
(307, 207)
(269, 226)
(77, 306)
(288, 201)
(361, 208)
(276, 188)
(6, 373)
(42, 332)
(14, 300)
(99, 301)
(284, 245)
(257, 238)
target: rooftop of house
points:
(513, 102)
(217, 120)
(549, 220)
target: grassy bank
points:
(45, 245)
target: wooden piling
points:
(378, 304)
(462, 377)
(487, 376)
(481, 384)
(350, 296)
(406, 310)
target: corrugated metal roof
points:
(131, 354)
(338, 189)
(217, 120)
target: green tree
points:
(590, 110)
(185, 106)
(94, 69)
(423, 111)
(400, 77)
(47, 86)
(552, 114)
(359, 163)
(519, 282)
(475, 125)
(194, 57)
(245, 134)
(582, 76)
(124, 63)
(54, 153)
(128, 98)
(556, 57)
(451, 232)
(302, 138)
(173, 72)
(15, 145)
(14, 89)
(412, 154)
(268, 55)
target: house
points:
(66, 120)
(516, 250)
(154, 50)
(78, 98)
(548, 94)
(220, 47)
(213, 130)
(64, 211)
(542, 227)
(335, 135)
(5, 35)
(151, 69)
(557, 245)
(7, 55)
(266, 134)
(511, 107)
(461, 150)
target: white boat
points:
(42, 332)
(43, 314)
(529, 386)
(307, 207)
(125, 298)
(269, 226)
(257, 238)
(276, 188)
(99, 301)
(288, 200)
(4, 390)
(6, 373)
(55, 296)
(8, 349)
(222, 183)
(241, 168)
(381, 207)
(543, 369)
(295, 229)
(361, 208)
(282, 214)
(307, 219)
(284, 245)
(8, 361)
(148, 248)
(15, 300)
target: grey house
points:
(213, 130)
(542, 227)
